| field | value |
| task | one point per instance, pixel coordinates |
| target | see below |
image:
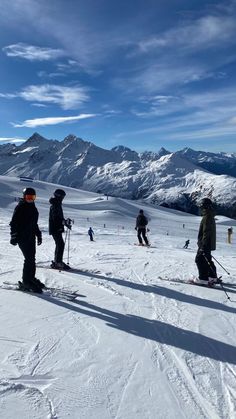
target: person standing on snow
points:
(90, 233)
(24, 230)
(56, 228)
(206, 243)
(186, 244)
(141, 223)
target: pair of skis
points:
(60, 293)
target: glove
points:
(135, 228)
(148, 230)
(68, 223)
(13, 241)
(39, 240)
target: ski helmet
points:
(29, 191)
(206, 203)
(141, 211)
(59, 193)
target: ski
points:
(71, 270)
(191, 282)
(63, 294)
(148, 246)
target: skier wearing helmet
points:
(56, 228)
(24, 230)
(206, 243)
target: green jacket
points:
(207, 231)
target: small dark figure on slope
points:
(141, 227)
(91, 234)
(186, 244)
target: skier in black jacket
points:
(56, 228)
(24, 230)
(141, 223)
(206, 243)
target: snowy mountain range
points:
(176, 180)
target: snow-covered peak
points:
(125, 153)
(174, 179)
(35, 139)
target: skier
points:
(186, 244)
(24, 230)
(56, 228)
(141, 223)
(206, 243)
(91, 233)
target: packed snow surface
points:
(134, 343)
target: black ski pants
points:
(142, 234)
(205, 265)
(28, 249)
(60, 246)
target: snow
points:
(179, 179)
(133, 344)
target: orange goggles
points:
(30, 197)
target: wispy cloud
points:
(11, 140)
(39, 122)
(8, 95)
(32, 52)
(65, 96)
(191, 116)
(206, 32)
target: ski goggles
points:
(30, 197)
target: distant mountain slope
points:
(177, 180)
(218, 163)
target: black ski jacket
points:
(24, 222)
(141, 221)
(56, 216)
(207, 231)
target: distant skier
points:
(56, 228)
(206, 243)
(186, 244)
(91, 234)
(24, 230)
(141, 223)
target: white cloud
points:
(11, 140)
(208, 31)
(32, 52)
(8, 95)
(37, 122)
(64, 96)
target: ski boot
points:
(37, 282)
(29, 286)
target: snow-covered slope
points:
(177, 180)
(133, 344)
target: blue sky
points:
(144, 74)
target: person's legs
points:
(139, 236)
(59, 249)
(28, 249)
(202, 266)
(144, 236)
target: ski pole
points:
(219, 281)
(223, 289)
(221, 265)
(68, 248)
(66, 236)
